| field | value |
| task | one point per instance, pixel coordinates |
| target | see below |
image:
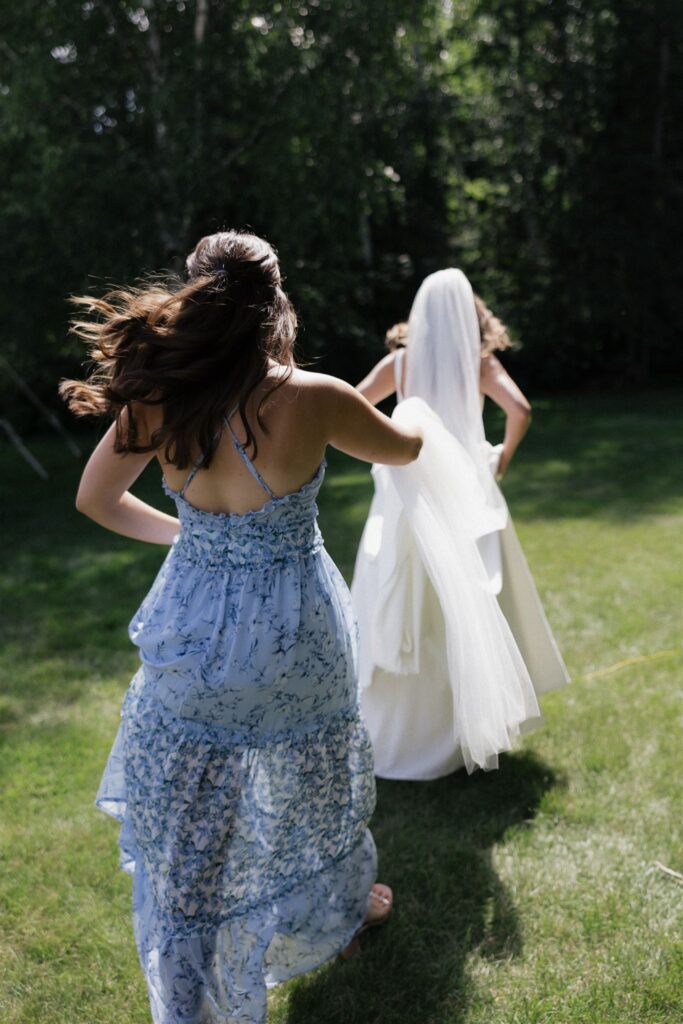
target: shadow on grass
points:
(435, 842)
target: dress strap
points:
(239, 447)
(197, 466)
(192, 474)
(398, 372)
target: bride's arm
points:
(103, 495)
(380, 382)
(497, 384)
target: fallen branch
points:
(47, 413)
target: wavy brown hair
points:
(493, 332)
(197, 348)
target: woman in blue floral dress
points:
(241, 773)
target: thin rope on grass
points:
(637, 660)
(676, 875)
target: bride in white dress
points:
(454, 643)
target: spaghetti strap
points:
(239, 447)
(197, 466)
(398, 373)
(191, 476)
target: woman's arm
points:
(355, 427)
(380, 382)
(497, 384)
(103, 495)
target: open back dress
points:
(241, 773)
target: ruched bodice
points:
(282, 529)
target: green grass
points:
(524, 896)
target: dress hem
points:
(129, 858)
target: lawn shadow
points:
(435, 842)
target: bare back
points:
(290, 448)
(304, 414)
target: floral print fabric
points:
(241, 773)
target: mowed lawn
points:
(530, 895)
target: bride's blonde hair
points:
(494, 334)
(396, 336)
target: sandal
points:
(381, 903)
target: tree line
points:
(534, 143)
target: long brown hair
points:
(197, 348)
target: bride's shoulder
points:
(490, 364)
(491, 369)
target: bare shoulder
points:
(314, 380)
(315, 399)
(316, 387)
(388, 360)
(491, 367)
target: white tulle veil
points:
(444, 356)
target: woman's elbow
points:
(86, 504)
(413, 448)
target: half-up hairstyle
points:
(494, 333)
(198, 348)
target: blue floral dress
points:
(242, 774)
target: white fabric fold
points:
(434, 512)
(444, 365)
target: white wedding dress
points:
(454, 643)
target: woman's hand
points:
(103, 495)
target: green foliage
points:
(536, 144)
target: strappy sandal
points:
(381, 903)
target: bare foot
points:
(380, 904)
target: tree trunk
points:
(168, 231)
